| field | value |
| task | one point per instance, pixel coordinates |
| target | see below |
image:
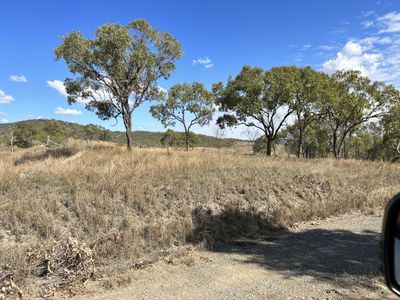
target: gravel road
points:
(335, 258)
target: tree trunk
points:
(187, 140)
(300, 141)
(345, 150)
(269, 146)
(12, 141)
(128, 131)
(334, 145)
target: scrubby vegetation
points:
(60, 131)
(129, 207)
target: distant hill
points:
(142, 138)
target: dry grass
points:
(129, 206)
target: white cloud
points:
(5, 99)
(376, 55)
(17, 78)
(4, 120)
(2, 113)
(206, 62)
(67, 111)
(58, 86)
(353, 57)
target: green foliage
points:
(260, 145)
(171, 138)
(352, 100)
(25, 135)
(188, 104)
(91, 131)
(55, 131)
(118, 69)
(255, 97)
(146, 139)
(328, 109)
(178, 139)
(391, 136)
(105, 135)
(3, 139)
(315, 142)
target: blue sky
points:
(217, 37)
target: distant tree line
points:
(26, 134)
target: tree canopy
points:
(258, 98)
(188, 104)
(118, 69)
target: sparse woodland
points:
(92, 210)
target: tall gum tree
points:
(188, 104)
(352, 100)
(310, 90)
(259, 99)
(118, 69)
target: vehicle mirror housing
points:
(390, 244)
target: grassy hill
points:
(142, 138)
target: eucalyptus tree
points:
(353, 100)
(391, 132)
(188, 104)
(118, 69)
(259, 99)
(310, 90)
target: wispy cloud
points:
(206, 62)
(2, 113)
(389, 23)
(328, 47)
(35, 117)
(58, 86)
(367, 24)
(4, 120)
(367, 14)
(67, 111)
(5, 99)
(18, 78)
(305, 47)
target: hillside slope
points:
(121, 210)
(140, 138)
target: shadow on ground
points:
(348, 258)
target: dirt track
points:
(335, 258)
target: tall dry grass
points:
(129, 205)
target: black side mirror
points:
(390, 244)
